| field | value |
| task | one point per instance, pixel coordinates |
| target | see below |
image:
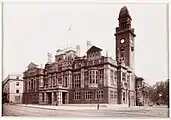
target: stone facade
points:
(93, 78)
(13, 88)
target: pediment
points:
(32, 65)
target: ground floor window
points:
(17, 98)
(99, 94)
(77, 95)
(113, 94)
(88, 95)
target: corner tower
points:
(125, 39)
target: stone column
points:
(40, 98)
(45, 98)
(82, 78)
(67, 98)
(62, 78)
(52, 98)
(59, 97)
(106, 75)
(119, 88)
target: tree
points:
(160, 88)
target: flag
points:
(69, 29)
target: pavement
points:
(83, 111)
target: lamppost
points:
(129, 104)
(98, 98)
(160, 95)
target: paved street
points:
(26, 110)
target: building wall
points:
(13, 86)
(13, 95)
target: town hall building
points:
(75, 79)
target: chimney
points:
(78, 50)
(49, 58)
(88, 44)
(107, 53)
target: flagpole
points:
(69, 36)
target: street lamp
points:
(160, 96)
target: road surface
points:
(19, 110)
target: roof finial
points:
(106, 53)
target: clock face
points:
(122, 40)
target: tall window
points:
(60, 80)
(88, 95)
(77, 95)
(65, 82)
(29, 85)
(123, 76)
(86, 77)
(93, 75)
(32, 84)
(97, 75)
(53, 82)
(101, 75)
(17, 83)
(128, 77)
(111, 77)
(99, 94)
(115, 77)
(77, 81)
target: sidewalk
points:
(86, 107)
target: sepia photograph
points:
(85, 59)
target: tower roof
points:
(124, 12)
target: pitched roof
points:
(93, 49)
(32, 65)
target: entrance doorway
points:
(64, 97)
(49, 94)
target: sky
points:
(33, 30)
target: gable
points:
(94, 49)
(32, 65)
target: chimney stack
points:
(78, 50)
(49, 58)
(88, 44)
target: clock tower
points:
(125, 39)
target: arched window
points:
(31, 83)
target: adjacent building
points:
(12, 88)
(142, 89)
(75, 79)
